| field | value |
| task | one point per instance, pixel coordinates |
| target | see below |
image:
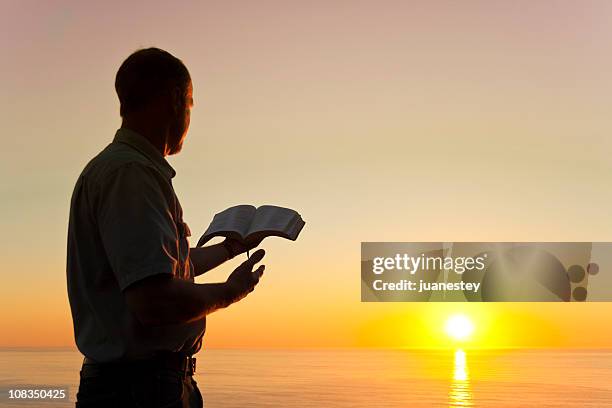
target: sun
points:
(459, 327)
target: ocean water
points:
(357, 378)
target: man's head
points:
(154, 88)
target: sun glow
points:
(459, 327)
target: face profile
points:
(182, 119)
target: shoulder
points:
(118, 159)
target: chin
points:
(176, 149)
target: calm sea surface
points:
(358, 378)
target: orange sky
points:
(377, 121)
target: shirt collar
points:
(140, 143)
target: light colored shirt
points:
(126, 224)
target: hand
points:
(235, 247)
(243, 279)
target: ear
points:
(178, 99)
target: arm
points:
(140, 239)
(206, 258)
(163, 300)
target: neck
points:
(155, 133)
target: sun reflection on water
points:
(460, 394)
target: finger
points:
(256, 257)
(258, 272)
(255, 275)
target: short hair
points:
(146, 74)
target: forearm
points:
(180, 301)
(164, 300)
(206, 258)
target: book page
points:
(270, 218)
(235, 220)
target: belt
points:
(171, 361)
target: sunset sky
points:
(376, 120)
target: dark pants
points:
(149, 387)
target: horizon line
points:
(333, 348)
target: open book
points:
(248, 224)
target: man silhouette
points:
(138, 315)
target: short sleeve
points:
(136, 224)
